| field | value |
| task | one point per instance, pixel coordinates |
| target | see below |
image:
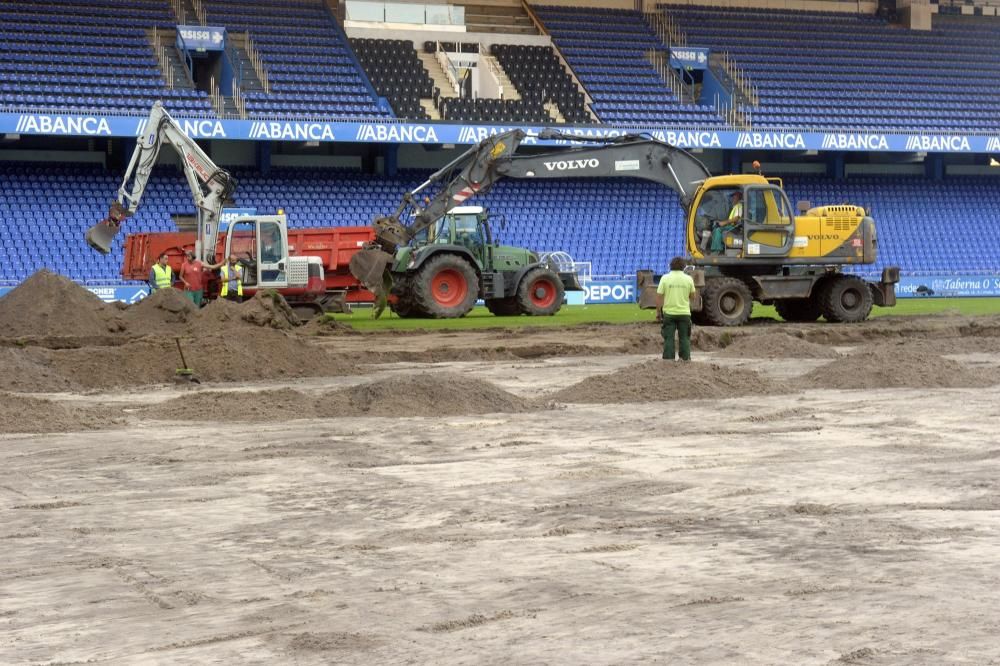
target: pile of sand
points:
(50, 304)
(896, 366)
(162, 310)
(29, 370)
(264, 310)
(426, 394)
(20, 413)
(659, 380)
(776, 345)
(229, 357)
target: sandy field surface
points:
(800, 494)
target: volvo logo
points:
(569, 165)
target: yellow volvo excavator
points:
(765, 253)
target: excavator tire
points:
(798, 309)
(726, 301)
(540, 293)
(445, 287)
(846, 299)
(503, 307)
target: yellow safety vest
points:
(737, 210)
(164, 276)
(225, 281)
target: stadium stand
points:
(834, 70)
(310, 66)
(538, 68)
(396, 72)
(624, 225)
(605, 48)
(78, 55)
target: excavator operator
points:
(722, 226)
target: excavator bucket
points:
(369, 265)
(101, 235)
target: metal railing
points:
(186, 54)
(257, 63)
(179, 13)
(493, 67)
(732, 115)
(449, 69)
(739, 78)
(161, 56)
(199, 12)
(666, 29)
(215, 95)
(239, 100)
(660, 61)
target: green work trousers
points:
(681, 325)
(194, 296)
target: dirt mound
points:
(30, 370)
(50, 304)
(896, 366)
(252, 355)
(162, 310)
(424, 394)
(242, 406)
(776, 345)
(430, 394)
(659, 380)
(20, 413)
(264, 310)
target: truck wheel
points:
(846, 299)
(726, 302)
(445, 287)
(540, 292)
(798, 309)
(503, 307)
(403, 305)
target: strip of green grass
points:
(627, 313)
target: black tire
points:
(798, 309)
(846, 299)
(540, 293)
(726, 302)
(445, 287)
(403, 305)
(503, 307)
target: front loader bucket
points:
(369, 266)
(101, 235)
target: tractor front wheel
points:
(540, 292)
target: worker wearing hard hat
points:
(722, 226)
(232, 280)
(161, 276)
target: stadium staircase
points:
(829, 70)
(606, 48)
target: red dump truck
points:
(309, 267)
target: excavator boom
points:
(210, 185)
(475, 172)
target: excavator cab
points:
(261, 245)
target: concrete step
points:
(437, 74)
(554, 113)
(428, 105)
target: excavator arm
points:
(475, 171)
(210, 185)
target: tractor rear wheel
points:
(846, 299)
(403, 304)
(503, 307)
(445, 287)
(726, 301)
(540, 292)
(798, 309)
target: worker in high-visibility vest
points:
(161, 276)
(231, 275)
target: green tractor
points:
(453, 262)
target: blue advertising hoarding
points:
(201, 38)
(688, 58)
(441, 133)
